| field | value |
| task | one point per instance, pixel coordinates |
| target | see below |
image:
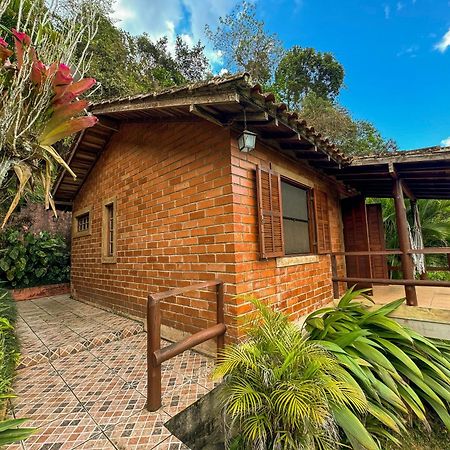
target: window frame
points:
(76, 216)
(311, 215)
(107, 256)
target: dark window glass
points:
(83, 222)
(295, 219)
(110, 229)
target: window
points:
(293, 219)
(109, 231)
(83, 222)
(81, 225)
(296, 224)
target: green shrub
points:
(283, 392)
(9, 346)
(28, 259)
(402, 373)
(9, 357)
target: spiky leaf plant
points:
(402, 373)
(282, 391)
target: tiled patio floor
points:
(87, 389)
(427, 296)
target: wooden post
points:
(153, 345)
(220, 316)
(404, 243)
(334, 274)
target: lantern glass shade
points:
(247, 141)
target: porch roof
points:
(220, 100)
(425, 173)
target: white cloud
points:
(387, 11)
(444, 43)
(446, 142)
(400, 6)
(170, 18)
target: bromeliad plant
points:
(402, 373)
(284, 392)
(39, 98)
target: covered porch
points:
(406, 176)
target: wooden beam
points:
(394, 175)
(151, 102)
(200, 112)
(250, 117)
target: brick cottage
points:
(166, 197)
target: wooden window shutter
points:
(269, 213)
(322, 221)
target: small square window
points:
(82, 222)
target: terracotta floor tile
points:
(100, 442)
(171, 443)
(114, 408)
(179, 399)
(141, 431)
(89, 390)
(64, 433)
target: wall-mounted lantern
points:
(247, 139)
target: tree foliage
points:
(245, 45)
(305, 70)
(126, 65)
(354, 137)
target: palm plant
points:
(402, 373)
(282, 391)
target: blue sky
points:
(396, 54)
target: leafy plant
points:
(10, 431)
(39, 104)
(28, 259)
(282, 391)
(9, 356)
(402, 373)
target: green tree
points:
(305, 70)
(244, 43)
(354, 137)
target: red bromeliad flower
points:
(65, 108)
(5, 53)
(21, 41)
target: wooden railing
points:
(157, 355)
(403, 282)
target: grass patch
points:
(418, 438)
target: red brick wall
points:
(186, 211)
(297, 289)
(174, 220)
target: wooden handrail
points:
(435, 283)
(156, 356)
(395, 251)
(386, 281)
